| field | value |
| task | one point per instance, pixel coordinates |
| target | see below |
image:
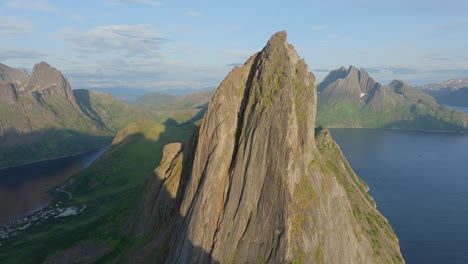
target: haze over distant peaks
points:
(453, 92)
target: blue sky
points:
(193, 44)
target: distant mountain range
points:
(41, 117)
(132, 94)
(351, 98)
(453, 92)
(183, 107)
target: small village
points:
(54, 211)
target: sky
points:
(159, 44)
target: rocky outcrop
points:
(18, 78)
(8, 93)
(48, 81)
(159, 203)
(263, 188)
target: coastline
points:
(57, 158)
(401, 129)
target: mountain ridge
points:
(41, 117)
(351, 98)
(453, 92)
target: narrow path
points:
(69, 194)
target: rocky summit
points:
(263, 186)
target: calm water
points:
(420, 183)
(458, 108)
(23, 189)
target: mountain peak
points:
(356, 79)
(49, 81)
(251, 192)
(279, 37)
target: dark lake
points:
(419, 181)
(23, 189)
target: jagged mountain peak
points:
(44, 76)
(257, 191)
(18, 78)
(352, 83)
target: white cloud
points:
(134, 40)
(14, 26)
(319, 27)
(145, 2)
(77, 18)
(19, 54)
(193, 14)
(340, 37)
(241, 55)
(32, 5)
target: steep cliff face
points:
(260, 190)
(48, 81)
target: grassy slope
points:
(61, 130)
(371, 223)
(110, 188)
(408, 109)
(180, 108)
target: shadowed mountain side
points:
(45, 101)
(84, 99)
(110, 112)
(110, 190)
(22, 148)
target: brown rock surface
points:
(264, 188)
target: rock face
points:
(350, 98)
(18, 78)
(159, 202)
(49, 81)
(351, 78)
(264, 188)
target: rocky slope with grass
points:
(351, 98)
(264, 187)
(41, 117)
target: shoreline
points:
(56, 158)
(403, 129)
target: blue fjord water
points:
(23, 189)
(419, 181)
